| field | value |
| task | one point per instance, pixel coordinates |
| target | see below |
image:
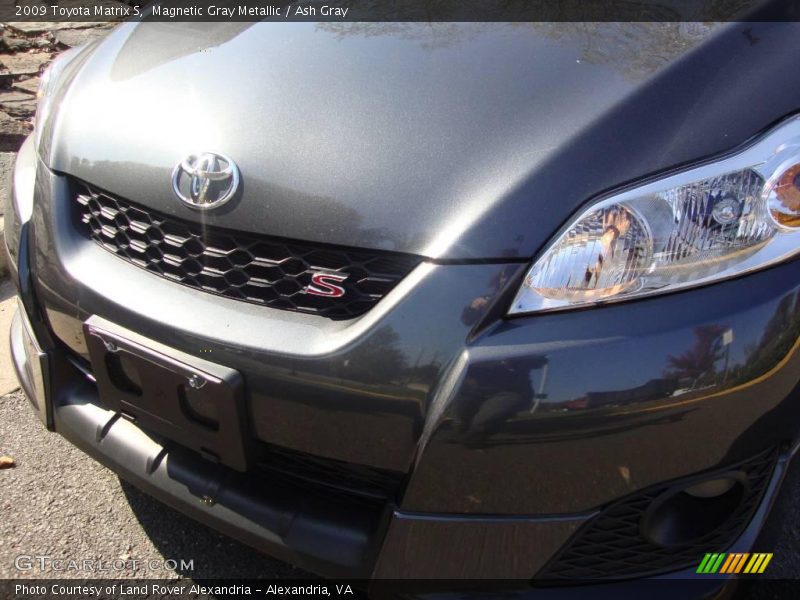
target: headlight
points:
(710, 223)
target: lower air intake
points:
(664, 528)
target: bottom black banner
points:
(180, 589)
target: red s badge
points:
(324, 284)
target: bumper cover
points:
(300, 524)
(321, 536)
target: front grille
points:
(262, 270)
(611, 545)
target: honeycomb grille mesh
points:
(267, 271)
(611, 545)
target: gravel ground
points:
(59, 502)
(25, 51)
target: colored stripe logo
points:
(731, 563)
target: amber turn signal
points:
(784, 198)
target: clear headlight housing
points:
(706, 224)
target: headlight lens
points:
(706, 224)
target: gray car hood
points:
(453, 141)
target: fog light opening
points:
(688, 512)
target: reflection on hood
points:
(154, 44)
(636, 50)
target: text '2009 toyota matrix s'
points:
(459, 300)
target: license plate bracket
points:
(192, 401)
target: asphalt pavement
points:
(58, 502)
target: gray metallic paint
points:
(614, 420)
(497, 131)
(408, 390)
(419, 102)
(452, 147)
(309, 378)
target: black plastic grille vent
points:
(335, 475)
(611, 545)
(261, 270)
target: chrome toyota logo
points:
(205, 180)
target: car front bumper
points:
(504, 438)
(424, 556)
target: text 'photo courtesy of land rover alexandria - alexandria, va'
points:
(516, 301)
